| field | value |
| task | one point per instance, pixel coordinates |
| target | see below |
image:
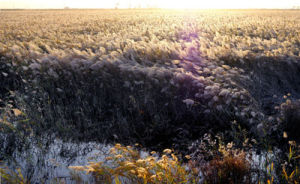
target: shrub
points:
(231, 169)
(221, 163)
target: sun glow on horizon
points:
(225, 4)
(194, 4)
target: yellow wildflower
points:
(129, 164)
(153, 152)
(172, 163)
(118, 146)
(153, 177)
(160, 174)
(132, 171)
(119, 156)
(141, 171)
(174, 157)
(140, 161)
(112, 151)
(292, 143)
(108, 158)
(90, 169)
(150, 159)
(188, 157)
(229, 145)
(168, 151)
(17, 112)
(285, 135)
(164, 157)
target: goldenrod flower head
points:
(90, 169)
(166, 165)
(168, 151)
(140, 161)
(108, 158)
(188, 157)
(160, 174)
(153, 177)
(164, 157)
(119, 156)
(160, 161)
(153, 152)
(129, 164)
(174, 157)
(132, 171)
(113, 151)
(173, 163)
(292, 143)
(229, 145)
(93, 164)
(118, 146)
(150, 159)
(141, 170)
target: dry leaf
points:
(17, 112)
(285, 135)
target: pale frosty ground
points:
(52, 162)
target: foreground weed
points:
(11, 177)
(126, 165)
